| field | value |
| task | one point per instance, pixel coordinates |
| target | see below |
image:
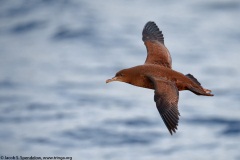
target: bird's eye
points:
(119, 74)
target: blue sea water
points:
(56, 55)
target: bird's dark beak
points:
(110, 80)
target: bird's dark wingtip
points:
(172, 130)
(151, 32)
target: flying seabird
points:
(157, 73)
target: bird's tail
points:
(201, 91)
(197, 88)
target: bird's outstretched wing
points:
(153, 39)
(166, 98)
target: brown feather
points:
(166, 98)
(157, 53)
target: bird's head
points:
(122, 76)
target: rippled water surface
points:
(56, 55)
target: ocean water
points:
(56, 55)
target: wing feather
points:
(166, 98)
(153, 39)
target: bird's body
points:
(142, 72)
(157, 73)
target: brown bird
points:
(157, 73)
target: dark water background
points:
(56, 55)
